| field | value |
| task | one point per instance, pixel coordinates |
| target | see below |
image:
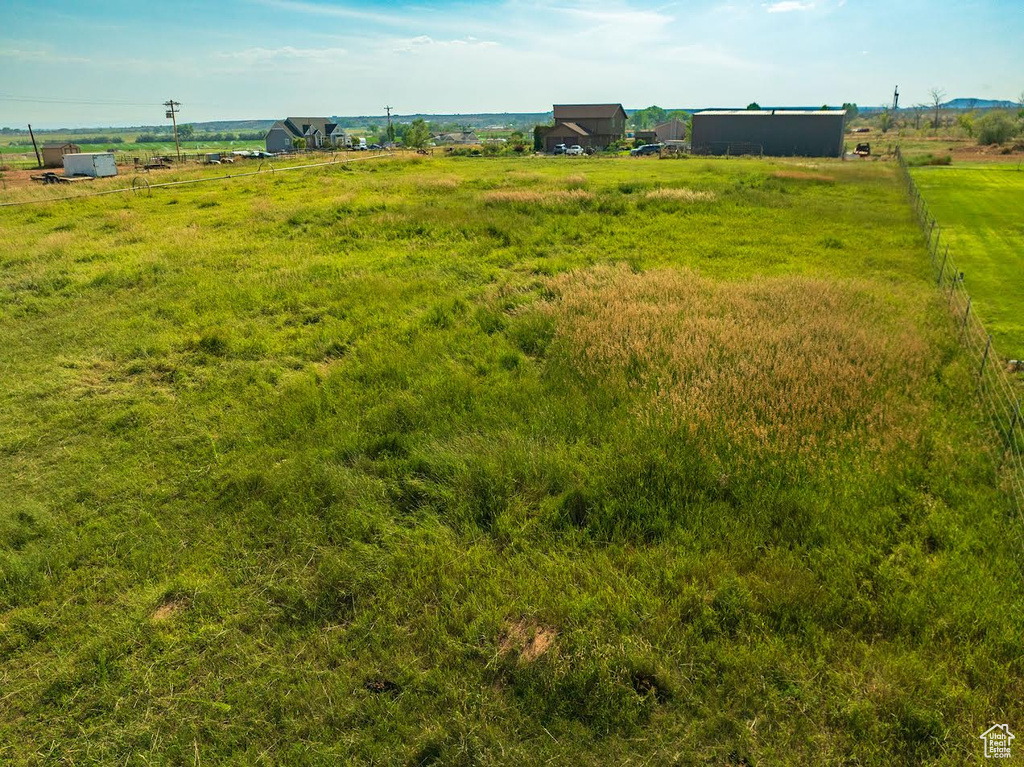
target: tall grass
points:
(392, 463)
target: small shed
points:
(53, 153)
(95, 164)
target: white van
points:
(362, 145)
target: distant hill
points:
(218, 126)
(475, 120)
(979, 104)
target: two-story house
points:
(589, 125)
(317, 131)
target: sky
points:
(113, 62)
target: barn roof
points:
(568, 112)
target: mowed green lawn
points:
(496, 461)
(981, 211)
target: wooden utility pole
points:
(39, 160)
(391, 132)
(172, 112)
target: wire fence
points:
(998, 392)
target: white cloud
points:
(788, 6)
(286, 53)
(424, 43)
(40, 54)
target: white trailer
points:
(95, 164)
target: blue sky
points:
(74, 62)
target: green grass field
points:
(496, 461)
(979, 209)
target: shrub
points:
(995, 128)
(929, 159)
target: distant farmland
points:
(495, 461)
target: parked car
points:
(376, 146)
(646, 149)
(560, 149)
(575, 149)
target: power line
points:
(85, 102)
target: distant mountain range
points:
(979, 104)
(963, 103)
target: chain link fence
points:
(998, 391)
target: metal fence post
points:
(967, 313)
(984, 358)
(942, 269)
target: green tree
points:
(965, 121)
(649, 117)
(391, 133)
(538, 137)
(995, 127)
(186, 132)
(753, 105)
(851, 110)
(417, 135)
(298, 143)
(885, 120)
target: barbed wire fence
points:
(997, 391)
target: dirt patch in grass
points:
(167, 610)
(530, 640)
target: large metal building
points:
(773, 132)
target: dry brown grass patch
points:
(788, 364)
(683, 195)
(802, 175)
(529, 640)
(445, 183)
(551, 197)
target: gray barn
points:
(778, 133)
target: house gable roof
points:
(304, 126)
(570, 126)
(570, 112)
